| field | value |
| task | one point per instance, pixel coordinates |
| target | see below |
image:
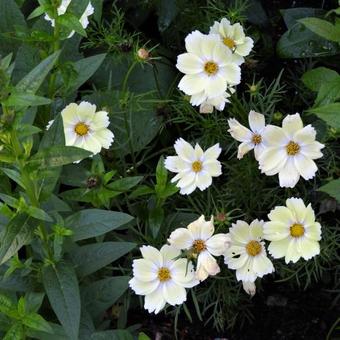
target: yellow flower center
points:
(81, 129)
(164, 274)
(229, 42)
(196, 166)
(199, 246)
(211, 68)
(297, 230)
(253, 248)
(257, 139)
(292, 148)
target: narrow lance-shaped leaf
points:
(61, 285)
(58, 155)
(33, 80)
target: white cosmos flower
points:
(251, 139)
(208, 67)
(198, 238)
(290, 151)
(233, 37)
(89, 10)
(247, 253)
(293, 231)
(194, 167)
(161, 277)
(86, 128)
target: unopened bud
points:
(92, 182)
(143, 54)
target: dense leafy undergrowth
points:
(95, 96)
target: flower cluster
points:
(162, 276)
(212, 64)
(288, 151)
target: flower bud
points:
(143, 54)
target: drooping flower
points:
(199, 240)
(89, 10)
(208, 105)
(233, 37)
(247, 253)
(293, 231)
(194, 167)
(161, 277)
(251, 139)
(208, 66)
(290, 151)
(86, 128)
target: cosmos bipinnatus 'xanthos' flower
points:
(251, 139)
(199, 241)
(233, 37)
(247, 254)
(86, 128)
(293, 231)
(194, 167)
(208, 67)
(162, 277)
(84, 21)
(290, 151)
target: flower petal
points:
(143, 288)
(305, 166)
(173, 293)
(189, 63)
(278, 249)
(181, 238)
(288, 175)
(144, 270)
(184, 150)
(291, 124)
(155, 301)
(256, 121)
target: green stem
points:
(127, 76)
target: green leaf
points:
(141, 191)
(329, 92)
(16, 234)
(61, 285)
(124, 184)
(26, 99)
(167, 12)
(10, 18)
(16, 332)
(329, 113)
(323, 28)
(37, 322)
(92, 257)
(39, 214)
(299, 41)
(14, 176)
(156, 217)
(54, 135)
(94, 222)
(314, 78)
(143, 336)
(6, 305)
(57, 156)
(101, 295)
(161, 177)
(117, 334)
(37, 12)
(33, 80)
(72, 23)
(332, 188)
(85, 68)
